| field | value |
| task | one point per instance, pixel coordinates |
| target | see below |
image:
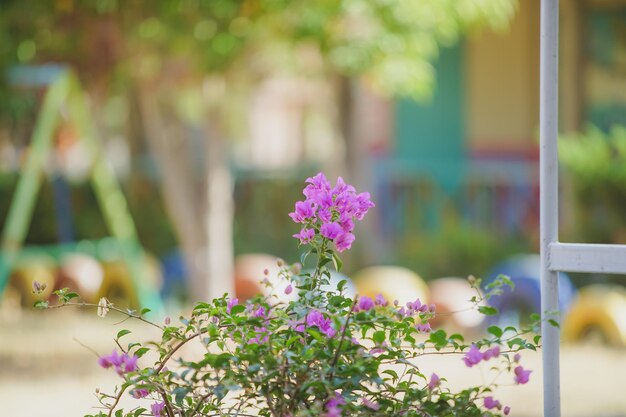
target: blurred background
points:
(151, 150)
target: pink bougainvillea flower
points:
(414, 306)
(434, 381)
(304, 211)
(331, 230)
(507, 410)
(157, 409)
(521, 375)
(114, 359)
(344, 241)
(316, 318)
(122, 363)
(129, 364)
(335, 401)
(365, 303)
(139, 393)
(331, 210)
(259, 312)
(305, 235)
(333, 406)
(379, 300)
(262, 336)
(491, 353)
(472, 356)
(289, 289)
(490, 403)
(370, 404)
(423, 328)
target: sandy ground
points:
(46, 372)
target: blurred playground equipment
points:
(523, 270)
(452, 296)
(64, 118)
(598, 313)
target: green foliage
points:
(596, 164)
(319, 353)
(277, 363)
(390, 43)
(270, 358)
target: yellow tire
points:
(393, 282)
(600, 309)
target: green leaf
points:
(180, 393)
(488, 310)
(438, 338)
(237, 309)
(554, 323)
(495, 330)
(122, 333)
(507, 281)
(392, 373)
(144, 311)
(141, 351)
(304, 256)
(337, 262)
(536, 339)
(457, 336)
(517, 342)
(139, 412)
(341, 285)
(41, 304)
(379, 337)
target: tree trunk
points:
(359, 113)
(167, 144)
(219, 214)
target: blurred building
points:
(476, 142)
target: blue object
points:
(174, 274)
(523, 270)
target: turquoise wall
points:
(430, 136)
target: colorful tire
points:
(40, 268)
(393, 282)
(524, 270)
(455, 310)
(82, 274)
(249, 274)
(599, 310)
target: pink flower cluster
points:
(333, 406)
(316, 318)
(330, 211)
(123, 363)
(157, 409)
(491, 403)
(521, 375)
(473, 356)
(414, 307)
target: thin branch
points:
(110, 307)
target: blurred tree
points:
(191, 62)
(595, 164)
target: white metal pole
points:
(549, 202)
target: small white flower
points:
(103, 307)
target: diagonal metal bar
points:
(23, 203)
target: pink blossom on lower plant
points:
(521, 375)
(157, 409)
